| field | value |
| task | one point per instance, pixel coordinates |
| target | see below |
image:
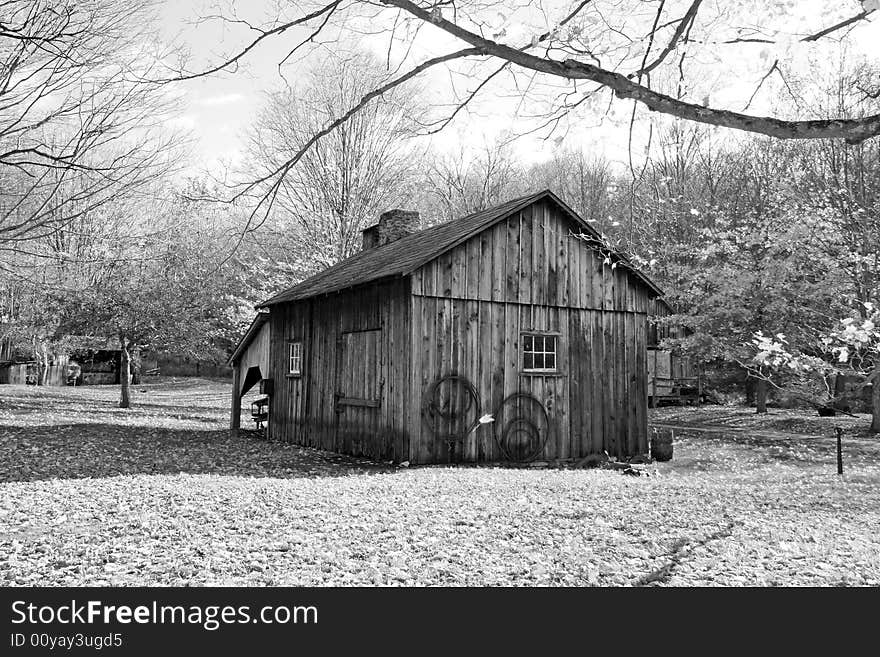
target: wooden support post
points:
(839, 451)
(654, 382)
(235, 411)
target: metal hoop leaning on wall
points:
(512, 422)
(434, 415)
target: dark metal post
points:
(839, 450)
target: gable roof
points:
(403, 256)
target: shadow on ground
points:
(75, 451)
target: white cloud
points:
(186, 121)
(225, 99)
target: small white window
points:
(539, 353)
(295, 358)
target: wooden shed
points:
(516, 315)
(673, 377)
(77, 360)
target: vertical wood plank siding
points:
(464, 313)
(529, 273)
(256, 354)
(303, 408)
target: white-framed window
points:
(539, 352)
(294, 360)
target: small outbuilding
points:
(673, 376)
(510, 334)
(77, 360)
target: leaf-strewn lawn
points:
(163, 494)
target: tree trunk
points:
(41, 355)
(125, 374)
(840, 393)
(875, 402)
(761, 396)
(749, 389)
(135, 366)
(44, 367)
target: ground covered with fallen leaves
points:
(163, 494)
(804, 421)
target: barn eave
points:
(258, 321)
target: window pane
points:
(540, 352)
(294, 365)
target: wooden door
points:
(358, 399)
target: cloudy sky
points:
(218, 109)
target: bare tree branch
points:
(773, 67)
(839, 26)
(685, 23)
(280, 29)
(853, 131)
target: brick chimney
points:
(371, 237)
(392, 225)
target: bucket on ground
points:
(661, 444)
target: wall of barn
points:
(257, 353)
(530, 274)
(303, 409)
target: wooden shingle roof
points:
(405, 255)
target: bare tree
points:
(839, 186)
(345, 180)
(580, 46)
(558, 56)
(585, 182)
(469, 182)
(77, 116)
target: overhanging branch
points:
(854, 131)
